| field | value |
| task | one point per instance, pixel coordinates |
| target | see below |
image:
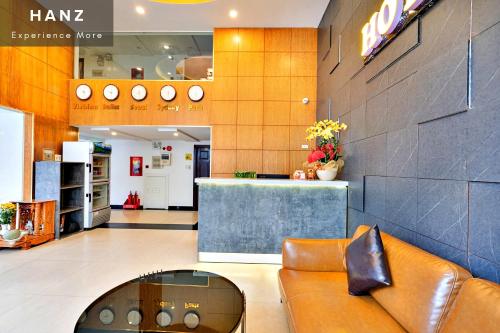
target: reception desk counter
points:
(246, 220)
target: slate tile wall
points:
(422, 150)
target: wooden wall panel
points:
(276, 113)
(249, 160)
(278, 40)
(276, 138)
(249, 137)
(250, 112)
(276, 162)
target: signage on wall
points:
(392, 18)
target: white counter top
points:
(272, 182)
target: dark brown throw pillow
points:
(366, 263)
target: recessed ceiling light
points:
(176, 133)
(233, 13)
(114, 133)
(99, 129)
(140, 10)
(169, 73)
(170, 57)
(166, 47)
(140, 69)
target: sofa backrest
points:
(476, 309)
(423, 285)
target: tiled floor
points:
(45, 289)
(153, 216)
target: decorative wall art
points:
(135, 166)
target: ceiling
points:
(204, 17)
(146, 133)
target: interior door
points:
(155, 192)
(201, 169)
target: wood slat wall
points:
(35, 79)
(261, 77)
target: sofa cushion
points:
(476, 308)
(366, 264)
(319, 302)
(423, 285)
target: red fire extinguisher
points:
(136, 198)
(130, 198)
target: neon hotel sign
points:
(391, 19)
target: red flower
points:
(315, 156)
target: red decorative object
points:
(132, 202)
(136, 166)
(169, 148)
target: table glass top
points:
(173, 301)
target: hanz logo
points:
(69, 15)
(391, 19)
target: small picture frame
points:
(48, 154)
(188, 156)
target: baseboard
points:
(246, 258)
(121, 207)
(152, 226)
(184, 208)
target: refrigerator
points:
(96, 156)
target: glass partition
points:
(150, 56)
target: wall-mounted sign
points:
(83, 92)
(168, 93)
(195, 93)
(136, 166)
(111, 92)
(139, 92)
(388, 22)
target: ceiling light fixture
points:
(114, 133)
(170, 57)
(182, 2)
(166, 47)
(167, 129)
(140, 10)
(169, 73)
(100, 129)
(176, 133)
(233, 13)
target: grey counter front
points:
(246, 220)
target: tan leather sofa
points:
(422, 298)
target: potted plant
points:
(7, 212)
(326, 158)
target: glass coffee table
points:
(173, 301)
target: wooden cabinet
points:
(35, 217)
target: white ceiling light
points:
(176, 133)
(100, 129)
(170, 57)
(169, 73)
(166, 47)
(114, 133)
(233, 13)
(167, 129)
(182, 2)
(140, 10)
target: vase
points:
(328, 174)
(5, 228)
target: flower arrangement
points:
(328, 151)
(7, 212)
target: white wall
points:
(11, 155)
(180, 173)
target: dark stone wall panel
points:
(443, 211)
(486, 68)
(442, 148)
(483, 154)
(402, 151)
(401, 202)
(485, 14)
(484, 238)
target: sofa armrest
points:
(316, 255)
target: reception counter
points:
(246, 220)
